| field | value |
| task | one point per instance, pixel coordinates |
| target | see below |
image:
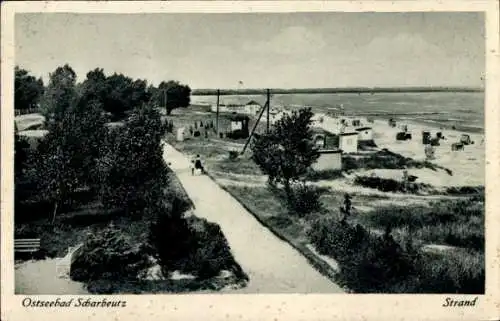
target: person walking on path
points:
(197, 165)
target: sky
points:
(275, 50)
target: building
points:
(348, 142)
(251, 108)
(365, 133)
(238, 126)
(329, 159)
(330, 156)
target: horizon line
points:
(346, 89)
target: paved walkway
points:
(272, 265)
(40, 277)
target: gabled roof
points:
(253, 102)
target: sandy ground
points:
(272, 265)
(40, 277)
(467, 165)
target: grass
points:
(451, 222)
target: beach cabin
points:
(330, 156)
(329, 159)
(181, 133)
(238, 126)
(348, 142)
(365, 133)
(252, 108)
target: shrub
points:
(110, 254)
(390, 185)
(328, 174)
(192, 245)
(304, 199)
(237, 134)
(371, 263)
(196, 133)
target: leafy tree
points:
(123, 94)
(66, 158)
(60, 94)
(287, 151)
(95, 86)
(133, 171)
(172, 95)
(20, 153)
(27, 89)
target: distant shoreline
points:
(350, 90)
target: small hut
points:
(348, 142)
(239, 126)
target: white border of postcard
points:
(257, 307)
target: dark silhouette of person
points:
(198, 165)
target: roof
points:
(253, 102)
(329, 151)
(348, 134)
(238, 117)
(363, 128)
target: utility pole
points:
(217, 113)
(268, 106)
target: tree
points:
(287, 151)
(134, 173)
(27, 89)
(172, 95)
(60, 94)
(95, 86)
(21, 147)
(122, 94)
(66, 158)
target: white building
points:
(328, 160)
(365, 133)
(348, 142)
(251, 108)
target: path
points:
(272, 265)
(40, 277)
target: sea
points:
(461, 110)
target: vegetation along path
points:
(272, 265)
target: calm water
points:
(464, 110)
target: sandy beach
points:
(466, 165)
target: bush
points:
(390, 185)
(371, 263)
(196, 133)
(110, 255)
(304, 199)
(237, 134)
(233, 154)
(336, 239)
(327, 174)
(387, 160)
(192, 245)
